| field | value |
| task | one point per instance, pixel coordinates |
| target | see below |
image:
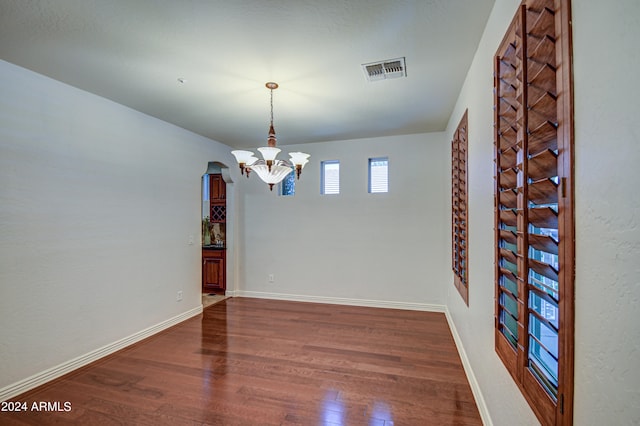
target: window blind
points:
(378, 175)
(330, 179)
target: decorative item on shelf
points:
(206, 231)
(269, 169)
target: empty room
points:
(340, 212)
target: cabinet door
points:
(217, 188)
(213, 272)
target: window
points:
(534, 224)
(288, 184)
(330, 177)
(205, 196)
(459, 224)
(378, 175)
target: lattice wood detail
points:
(218, 213)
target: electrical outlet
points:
(190, 240)
(272, 278)
(179, 296)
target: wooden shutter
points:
(459, 224)
(534, 207)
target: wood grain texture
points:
(534, 63)
(264, 362)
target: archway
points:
(218, 232)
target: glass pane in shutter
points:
(510, 329)
(509, 285)
(547, 309)
(543, 354)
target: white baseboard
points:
(343, 301)
(45, 376)
(473, 382)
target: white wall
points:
(355, 245)
(97, 203)
(607, 107)
(607, 336)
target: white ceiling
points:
(134, 51)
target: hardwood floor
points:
(266, 362)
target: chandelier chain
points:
(271, 106)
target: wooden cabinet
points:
(214, 259)
(213, 271)
(217, 199)
(217, 188)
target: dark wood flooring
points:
(266, 362)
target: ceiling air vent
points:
(382, 70)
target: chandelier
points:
(269, 169)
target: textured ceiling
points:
(134, 51)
